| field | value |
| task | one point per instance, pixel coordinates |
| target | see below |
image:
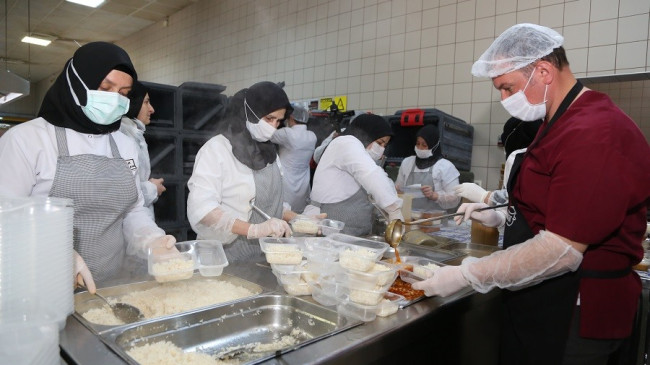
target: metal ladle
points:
(125, 312)
(395, 228)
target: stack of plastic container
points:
(36, 277)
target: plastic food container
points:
(358, 311)
(321, 295)
(427, 227)
(379, 275)
(297, 289)
(320, 249)
(358, 253)
(313, 226)
(390, 304)
(285, 251)
(173, 266)
(416, 268)
(291, 274)
(360, 295)
(415, 190)
(211, 258)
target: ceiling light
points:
(91, 3)
(12, 87)
(38, 39)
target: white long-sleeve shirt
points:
(219, 180)
(296, 147)
(28, 159)
(344, 168)
(445, 178)
(135, 129)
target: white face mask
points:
(375, 151)
(423, 153)
(102, 107)
(260, 131)
(519, 107)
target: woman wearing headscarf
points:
(516, 137)
(348, 172)
(134, 124)
(74, 150)
(238, 167)
(436, 176)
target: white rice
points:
(166, 353)
(425, 271)
(173, 270)
(361, 259)
(172, 298)
(277, 253)
(305, 226)
(366, 297)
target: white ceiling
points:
(69, 22)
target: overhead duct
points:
(12, 87)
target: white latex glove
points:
(471, 192)
(82, 275)
(489, 218)
(542, 257)
(162, 245)
(445, 281)
(273, 227)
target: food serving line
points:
(459, 329)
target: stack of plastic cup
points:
(36, 268)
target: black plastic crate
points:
(191, 146)
(162, 98)
(202, 105)
(170, 208)
(456, 136)
(163, 153)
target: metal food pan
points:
(85, 301)
(434, 253)
(237, 326)
(469, 249)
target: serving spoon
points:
(125, 312)
(395, 229)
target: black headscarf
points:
(93, 61)
(518, 134)
(430, 135)
(137, 94)
(263, 98)
(368, 128)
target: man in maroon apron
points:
(577, 214)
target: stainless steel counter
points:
(461, 329)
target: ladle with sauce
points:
(124, 312)
(395, 229)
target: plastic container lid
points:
(312, 226)
(211, 258)
(173, 266)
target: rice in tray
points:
(166, 353)
(425, 271)
(171, 298)
(360, 259)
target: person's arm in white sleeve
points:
(400, 180)
(545, 256)
(149, 192)
(281, 136)
(445, 178)
(17, 160)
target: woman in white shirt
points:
(347, 173)
(435, 175)
(296, 146)
(74, 150)
(237, 167)
(134, 124)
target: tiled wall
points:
(387, 55)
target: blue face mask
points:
(102, 107)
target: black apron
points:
(536, 320)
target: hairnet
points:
(517, 47)
(300, 113)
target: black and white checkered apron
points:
(355, 211)
(268, 197)
(102, 189)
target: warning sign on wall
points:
(341, 103)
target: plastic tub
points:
(342, 241)
(285, 251)
(361, 295)
(380, 275)
(390, 304)
(173, 266)
(320, 249)
(358, 311)
(297, 289)
(324, 297)
(211, 258)
(312, 226)
(415, 268)
(291, 274)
